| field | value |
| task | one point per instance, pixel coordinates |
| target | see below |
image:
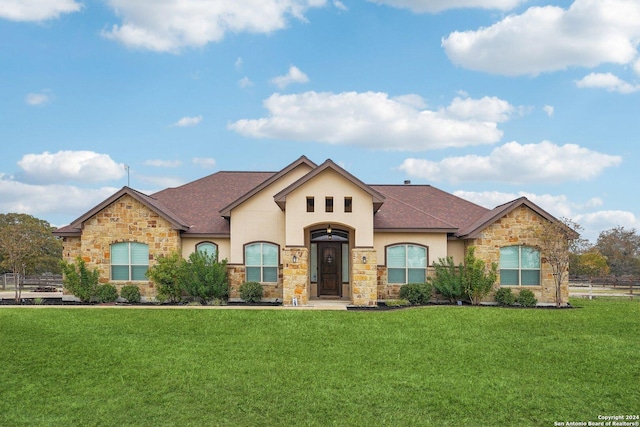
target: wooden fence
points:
(611, 286)
(9, 281)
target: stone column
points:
(295, 275)
(364, 281)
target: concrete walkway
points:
(315, 304)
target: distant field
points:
(458, 366)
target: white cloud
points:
(434, 6)
(44, 200)
(83, 166)
(339, 5)
(373, 120)
(170, 25)
(607, 81)
(549, 110)
(187, 121)
(238, 64)
(549, 38)
(245, 82)
(596, 222)
(163, 163)
(490, 109)
(294, 75)
(39, 99)
(36, 10)
(515, 163)
(204, 162)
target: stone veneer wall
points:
(364, 282)
(237, 276)
(295, 278)
(515, 229)
(391, 290)
(125, 220)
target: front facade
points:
(308, 231)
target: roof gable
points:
(474, 229)
(303, 160)
(176, 222)
(281, 197)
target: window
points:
(519, 266)
(328, 204)
(129, 261)
(261, 262)
(211, 249)
(407, 264)
(310, 204)
(348, 204)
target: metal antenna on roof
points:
(126, 167)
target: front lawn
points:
(425, 366)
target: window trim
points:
(519, 269)
(207, 242)
(130, 265)
(328, 204)
(406, 268)
(311, 204)
(348, 204)
(261, 266)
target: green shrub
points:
(251, 292)
(526, 298)
(447, 279)
(167, 275)
(205, 278)
(131, 293)
(79, 281)
(106, 293)
(505, 297)
(397, 303)
(477, 279)
(416, 293)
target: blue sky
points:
(487, 99)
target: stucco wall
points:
(189, 246)
(260, 218)
(329, 183)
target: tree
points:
(556, 240)
(27, 245)
(591, 263)
(621, 248)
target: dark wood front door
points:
(330, 263)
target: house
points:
(309, 231)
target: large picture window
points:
(261, 262)
(519, 266)
(129, 261)
(406, 264)
(211, 249)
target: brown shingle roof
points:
(199, 202)
(197, 208)
(423, 207)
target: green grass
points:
(425, 366)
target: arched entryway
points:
(329, 262)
